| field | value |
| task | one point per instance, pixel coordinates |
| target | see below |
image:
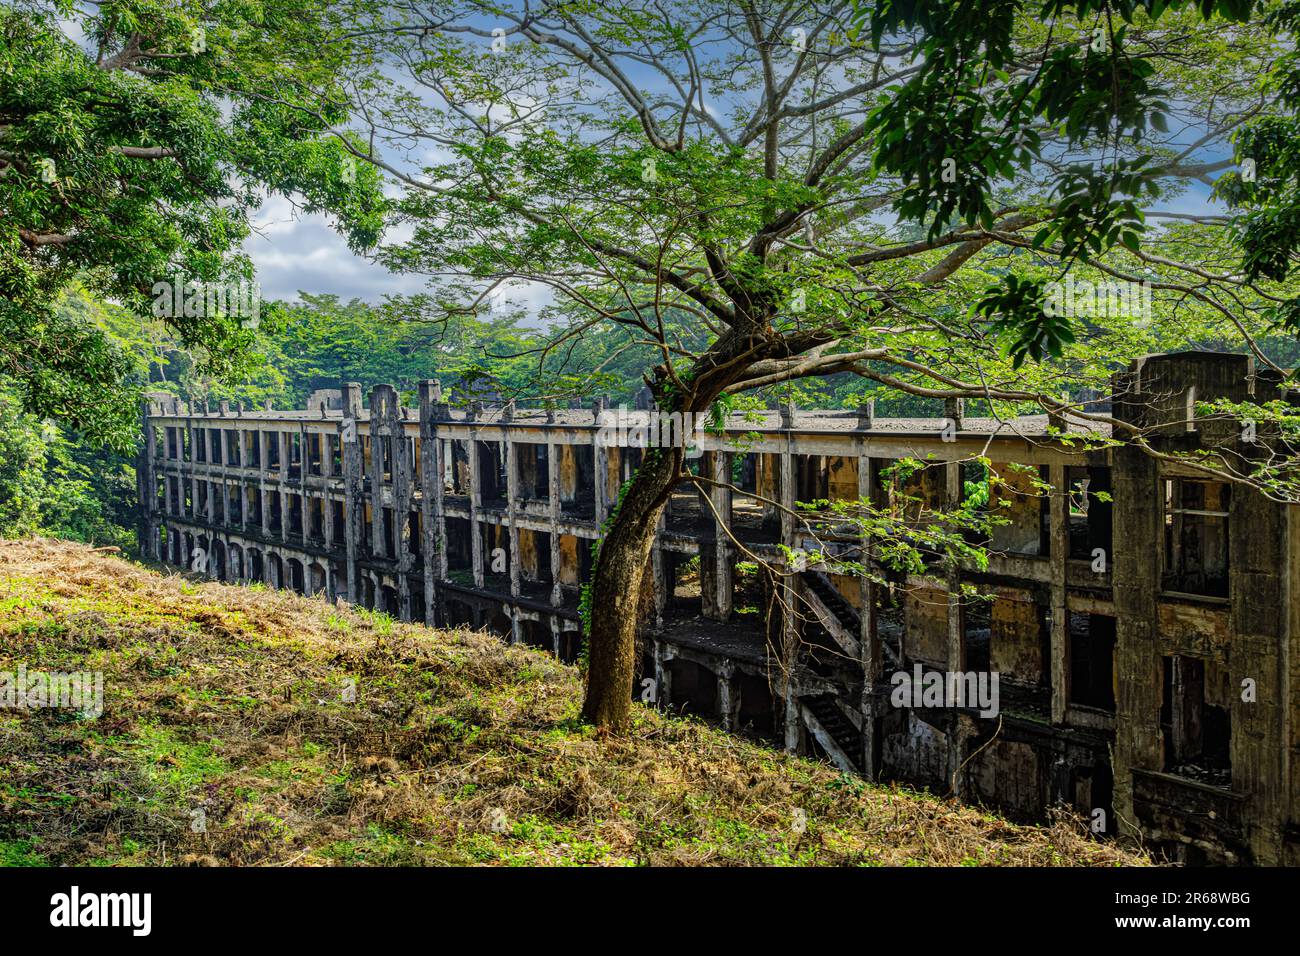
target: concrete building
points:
(1143, 621)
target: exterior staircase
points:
(840, 618)
(834, 731)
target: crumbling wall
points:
(926, 624)
(1016, 638)
(1015, 500)
(842, 478)
(1009, 774)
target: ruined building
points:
(1144, 622)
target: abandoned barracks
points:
(1143, 619)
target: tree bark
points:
(616, 591)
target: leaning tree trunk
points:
(616, 591)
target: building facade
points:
(1141, 617)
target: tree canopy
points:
(136, 137)
(891, 190)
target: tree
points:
(812, 190)
(136, 137)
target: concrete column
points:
(600, 457)
(954, 409)
(354, 520)
(263, 481)
(663, 676)
(190, 468)
(868, 635)
(790, 591)
(512, 528)
(475, 509)
(282, 438)
(728, 696)
(375, 486)
(956, 644)
(282, 446)
(793, 721)
(512, 535)
(402, 498)
(194, 491)
(147, 531)
(554, 510)
(724, 579)
(327, 524)
(660, 579)
(431, 490)
(1059, 530)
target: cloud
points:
(295, 252)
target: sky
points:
(294, 251)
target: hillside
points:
(227, 709)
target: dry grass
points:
(456, 750)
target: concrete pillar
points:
(1136, 580)
(724, 579)
(868, 636)
(327, 522)
(554, 510)
(728, 696)
(402, 494)
(1059, 554)
(663, 676)
(475, 508)
(512, 528)
(660, 580)
(374, 488)
(600, 455)
(147, 482)
(191, 470)
(354, 518)
(793, 721)
(956, 644)
(282, 439)
(263, 481)
(954, 409)
(790, 591)
(431, 491)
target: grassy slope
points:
(456, 749)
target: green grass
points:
(227, 705)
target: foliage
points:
(52, 484)
(136, 137)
